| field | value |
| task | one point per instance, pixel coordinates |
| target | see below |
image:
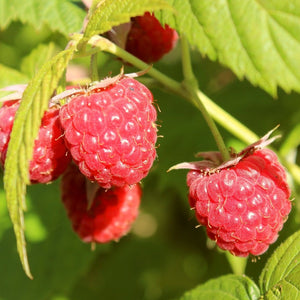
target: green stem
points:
(228, 122)
(188, 74)
(212, 126)
(191, 84)
(237, 264)
(107, 46)
(188, 89)
(217, 113)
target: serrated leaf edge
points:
(264, 285)
(100, 11)
(19, 153)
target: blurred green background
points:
(165, 254)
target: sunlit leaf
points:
(60, 15)
(226, 287)
(110, 13)
(258, 40)
(280, 278)
(26, 125)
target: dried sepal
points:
(17, 89)
(203, 165)
(213, 160)
(96, 85)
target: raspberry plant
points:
(213, 92)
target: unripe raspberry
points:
(110, 214)
(243, 207)
(148, 39)
(50, 155)
(111, 132)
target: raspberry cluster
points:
(102, 140)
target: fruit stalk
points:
(108, 46)
(237, 264)
(227, 121)
(191, 85)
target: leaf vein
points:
(269, 14)
(201, 25)
(291, 283)
(247, 53)
(280, 54)
(280, 260)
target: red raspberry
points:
(50, 155)
(111, 133)
(242, 206)
(148, 39)
(111, 213)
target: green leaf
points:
(111, 13)
(61, 15)
(226, 287)
(26, 125)
(258, 40)
(280, 278)
(34, 61)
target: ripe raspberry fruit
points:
(242, 203)
(148, 39)
(50, 155)
(110, 131)
(111, 213)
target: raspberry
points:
(111, 133)
(148, 39)
(111, 213)
(242, 202)
(50, 155)
(243, 206)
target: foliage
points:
(247, 37)
(164, 257)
